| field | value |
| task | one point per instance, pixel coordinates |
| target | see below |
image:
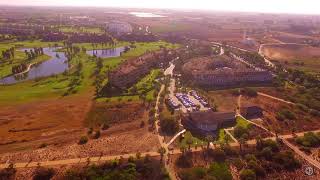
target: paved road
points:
(175, 137)
(231, 136)
(168, 71)
(275, 98)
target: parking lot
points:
(188, 102)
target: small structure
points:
(251, 112)
(207, 122)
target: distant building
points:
(129, 72)
(119, 27)
(251, 112)
(208, 122)
(222, 72)
(248, 41)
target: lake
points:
(145, 14)
(55, 65)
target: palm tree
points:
(242, 141)
(189, 141)
(161, 151)
(183, 149)
(208, 139)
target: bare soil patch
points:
(52, 121)
(302, 122)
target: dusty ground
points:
(225, 100)
(303, 121)
(26, 126)
(290, 51)
(122, 139)
(301, 57)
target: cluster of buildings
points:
(223, 72)
(208, 122)
(119, 28)
(129, 72)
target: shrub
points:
(194, 173)
(287, 160)
(142, 124)
(83, 140)
(285, 114)
(184, 161)
(43, 145)
(229, 150)
(8, 173)
(90, 130)
(97, 134)
(266, 153)
(250, 157)
(43, 174)
(169, 125)
(315, 113)
(309, 139)
(238, 163)
(249, 92)
(270, 143)
(259, 171)
(218, 154)
(220, 171)
(105, 126)
(239, 131)
(247, 174)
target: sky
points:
(271, 6)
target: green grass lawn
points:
(195, 141)
(242, 122)
(223, 137)
(88, 46)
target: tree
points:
(248, 174)
(83, 140)
(188, 139)
(161, 151)
(220, 171)
(43, 173)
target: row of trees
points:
(19, 68)
(8, 54)
(33, 53)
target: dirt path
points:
(153, 154)
(275, 98)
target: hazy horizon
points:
(271, 6)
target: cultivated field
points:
(294, 55)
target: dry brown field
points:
(302, 122)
